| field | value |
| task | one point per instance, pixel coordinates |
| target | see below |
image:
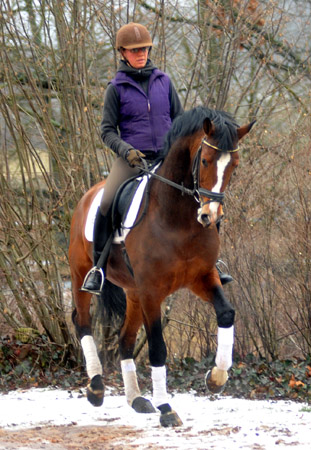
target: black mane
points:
(191, 121)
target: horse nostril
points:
(205, 220)
(219, 218)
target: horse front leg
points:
(82, 321)
(209, 289)
(218, 376)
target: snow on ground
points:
(224, 423)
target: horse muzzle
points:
(207, 217)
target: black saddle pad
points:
(125, 194)
(123, 200)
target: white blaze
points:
(221, 167)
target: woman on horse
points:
(140, 105)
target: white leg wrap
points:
(130, 380)
(158, 375)
(224, 348)
(93, 365)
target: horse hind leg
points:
(80, 261)
(95, 389)
(81, 319)
(216, 378)
(157, 357)
(133, 321)
(132, 391)
(112, 300)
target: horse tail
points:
(112, 301)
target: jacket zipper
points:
(153, 137)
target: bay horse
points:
(175, 244)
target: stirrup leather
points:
(93, 270)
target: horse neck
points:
(177, 167)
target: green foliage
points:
(253, 378)
(37, 363)
(40, 363)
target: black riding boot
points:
(95, 278)
(224, 277)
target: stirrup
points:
(90, 272)
(220, 262)
(224, 277)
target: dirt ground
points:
(72, 437)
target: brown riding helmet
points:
(133, 35)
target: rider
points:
(140, 105)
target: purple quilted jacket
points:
(144, 118)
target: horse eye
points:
(204, 162)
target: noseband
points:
(199, 192)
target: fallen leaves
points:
(293, 383)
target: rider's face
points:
(137, 57)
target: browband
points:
(219, 149)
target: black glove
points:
(133, 157)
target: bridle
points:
(197, 192)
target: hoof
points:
(142, 405)
(95, 391)
(211, 384)
(169, 418)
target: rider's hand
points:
(133, 157)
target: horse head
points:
(213, 166)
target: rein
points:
(197, 192)
(165, 180)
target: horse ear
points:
(208, 127)
(242, 131)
